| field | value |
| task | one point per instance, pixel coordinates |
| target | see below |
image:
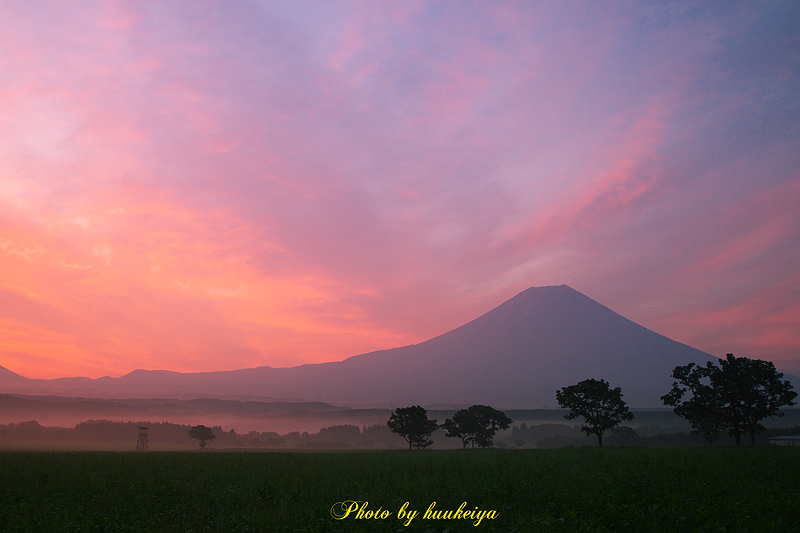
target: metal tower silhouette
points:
(141, 442)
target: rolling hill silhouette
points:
(516, 355)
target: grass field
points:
(585, 489)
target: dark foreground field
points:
(685, 489)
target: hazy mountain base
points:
(246, 416)
(110, 435)
(281, 417)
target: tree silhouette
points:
(737, 395)
(703, 408)
(601, 406)
(412, 423)
(203, 434)
(476, 424)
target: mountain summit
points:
(521, 352)
(515, 356)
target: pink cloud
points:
(285, 184)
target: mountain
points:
(7, 377)
(516, 355)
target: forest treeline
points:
(561, 436)
(166, 435)
(170, 435)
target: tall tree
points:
(736, 395)
(203, 434)
(477, 424)
(601, 407)
(412, 423)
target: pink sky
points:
(212, 186)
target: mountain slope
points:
(521, 352)
(7, 377)
(516, 355)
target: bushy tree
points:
(203, 434)
(736, 395)
(702, 408)
(412, 423)
(477, 424)
(601, 407)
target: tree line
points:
(167, 435)
(737, 394)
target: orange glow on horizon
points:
(115, 292)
